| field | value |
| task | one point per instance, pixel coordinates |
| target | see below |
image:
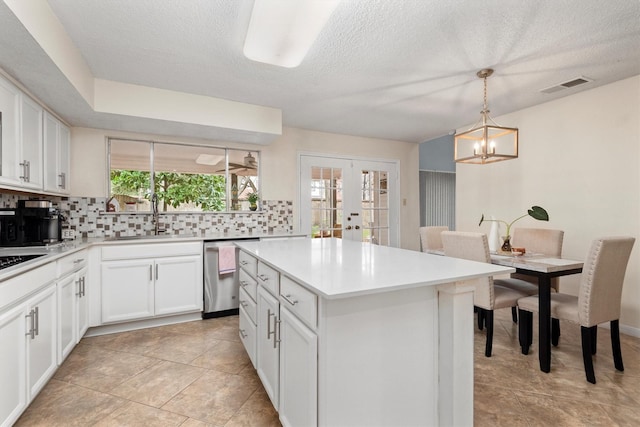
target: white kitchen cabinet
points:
(21, 120)
(13, 393)
(57, 140)
(169, 272)
(268, 350)
(167, 281)
(41, 339)
(127, 290)
(247, 332)
(298, 372)
(66, 316)
(82, 312)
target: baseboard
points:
(142, 324)
(624, 329)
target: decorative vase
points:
(253, 207)
(506, 245)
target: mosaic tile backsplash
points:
(86, 215)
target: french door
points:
(349, 198)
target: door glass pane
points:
(375, 207)
(326, 202)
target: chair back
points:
(538, 240)
(603, 274)
(430, 237)
(472, 247)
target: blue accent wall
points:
(437, 155)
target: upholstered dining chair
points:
(430, 237)
(598, 301)
(535, 240)
(488, 294)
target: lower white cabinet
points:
(298, 372)
(73, 319)
(268, 351)
(27, 352)
(169, 283)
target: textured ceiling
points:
(396, 69)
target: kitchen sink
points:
(149, 237)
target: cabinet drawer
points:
(72, 262)
(248, 263)
(299, 300)
(269, 278)
(150, 250)
(247, 332)
(249, 284)
(249, 305)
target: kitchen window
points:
(186, 178)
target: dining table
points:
(544, 267)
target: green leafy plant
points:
(253, 198)
(536, 212)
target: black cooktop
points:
(11, 260)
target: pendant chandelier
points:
(486, 142)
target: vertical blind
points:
(438, 199)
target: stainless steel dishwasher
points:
(220, 291)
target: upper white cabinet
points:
(57, 140)
(21, 145)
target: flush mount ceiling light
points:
(281, 32)
(486, 142)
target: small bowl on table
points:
(518, 251)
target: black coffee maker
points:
(10, 227)
(41, 223)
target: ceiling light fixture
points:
(281, 32)
(486, 143)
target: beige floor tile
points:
(214, 398)
(137, 415)
(256, 411)
(158, 384)
(225, 356)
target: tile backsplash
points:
(87, 216)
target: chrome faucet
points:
(155, 219)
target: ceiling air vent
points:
(566, 85)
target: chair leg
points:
(525, 330)
(594, 339)
(488, 319)
(586, 353)
(555, 331)
(514, 314)
(480, 318)
(615, 345)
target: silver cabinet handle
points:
(263, 277)
(243, 283)
(78, 260)
(62, 182)
(150, 272)
(243, 262)
(156, 271)
(82, 282)
(79, 283)
(288, 299)
(269, 331)
(32, 329)
(243, 303)
(276, 341)
(243, 334)
(25, 171)
(37, 319)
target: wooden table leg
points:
(544, 323)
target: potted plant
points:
(253, 200)
(536, 212)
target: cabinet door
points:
(127, 290)
(10, 136)
(64, 160)
(247, 334)
(298, 372)
(51, 126)
(42, 344)
(67, 290)
(31, 142)
(82, 304)
(13, 373)
(178, 285)
(267, 345)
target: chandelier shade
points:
(486, 142)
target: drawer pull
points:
(243, 262)
(243, 303)
(263, 277)
(243, 283)
(288, 299)
(78, 261)
(243, 334)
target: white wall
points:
(580, 160)
(278, 168)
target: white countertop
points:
(335, 268)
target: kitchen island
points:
(349, 333)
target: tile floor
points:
(197, 374)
